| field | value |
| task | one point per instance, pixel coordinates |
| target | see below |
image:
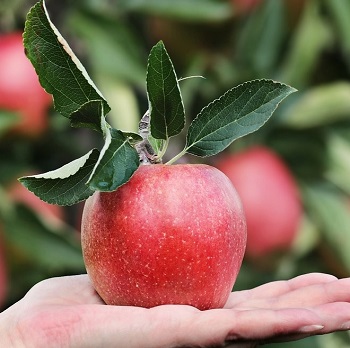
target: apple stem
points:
(178, 156)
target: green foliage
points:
(240, 111)
(165, 102)
(66, 185)
(59, 70)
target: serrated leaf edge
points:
(291, 90)
(70, 52)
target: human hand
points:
(67, 312)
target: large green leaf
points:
(165, 101)
(240, 111)
(66, 185)
(118, 161)
(60, 71)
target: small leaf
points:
(66, 185)
(240, 111)
(87, 116)
(117, 163)
(165, 101)
(60, 71)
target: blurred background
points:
(301, 157)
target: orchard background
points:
(303, 43)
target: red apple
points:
(172, 234)
(270, 199)
(20, 90)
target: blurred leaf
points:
(338, 170)
(311, 38)
(340, 10)
(60, 71)
(165, 101)
(189, 10)
(309, 342)
(113, 49)
(125, 114)
(7, 120)
(330, 213)
(320, 105)
(66, 185)
(240, 111)
(117, 163)
(261, 38)
(307, 237)
(53, 250)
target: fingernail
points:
(311, 328)
(346, 325)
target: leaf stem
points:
(164, 148)
(178, 156)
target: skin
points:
(172, 234)
(270, 198)
(67, 312)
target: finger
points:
(308, 296)
(278, 288)
(173, 326)
(334, 317)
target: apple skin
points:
(20, 90)
(270, 199)
(173, 234)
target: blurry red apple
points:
(20, 90)
(172, 234)
(269, 196)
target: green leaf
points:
(117, 163)
(240, 111)
(87, 116)
(165, 101)
(66, 185)
(60, 71)
(319, 106)
(190, 10)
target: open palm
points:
(67, 312)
